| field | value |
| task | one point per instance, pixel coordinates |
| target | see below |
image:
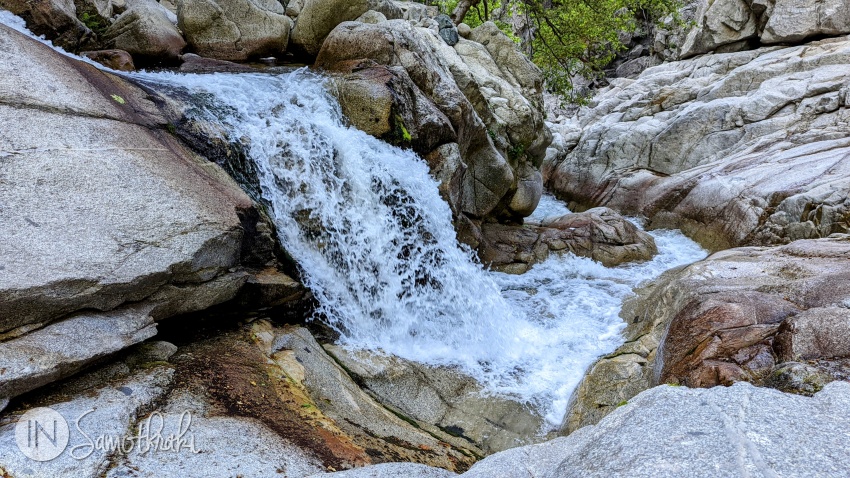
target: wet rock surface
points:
(600, 234)
(118, 60)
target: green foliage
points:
(580, 37)
(94, 22)
(568, 38)
(118, 99)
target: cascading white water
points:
(376, 244)
(375, 241)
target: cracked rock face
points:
(746, 148)
(99, 208)
(735, 25)
(747, 314)
(443, 401)
(145, 32)
(490, 94)
(600, 234)
(235, 30)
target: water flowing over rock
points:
(730, 431)
(740, 315)
(234, 29)
(375, 242)
(55, 19)
(73, 255)
(744, 148)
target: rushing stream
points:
(376, 245)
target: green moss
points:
(94, 22)
(399, 135)
(517, 152)
(624, 402)
(118, 99)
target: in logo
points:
(42, 434)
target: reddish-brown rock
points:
(772, 316)
(118, 60)
(600, 234)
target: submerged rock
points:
(739, 315)
(118, 60)
(193, 63)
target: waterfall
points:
(376, 245)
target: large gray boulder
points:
(745, 148)
(145, 31)
(736, 431)
(318, 18)
(796, 20)
(721, 23)
(234, 29)
(443, 401)
(747, 314)
(735, 25)
(109, 221)
(494, 106)
(386, 432)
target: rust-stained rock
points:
(743, 314)
(600, 234)
(118, 60)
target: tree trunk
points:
(463, 6)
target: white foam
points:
(385, 265)
(382, 257)
(549, 206)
